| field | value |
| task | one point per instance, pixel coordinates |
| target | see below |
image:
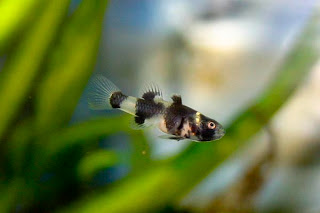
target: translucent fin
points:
(151, 91)
(171, 137)
(100, 91)
(136, 126)
(149, 122)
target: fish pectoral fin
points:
(151, 91)
(176, 99)
(171, 137)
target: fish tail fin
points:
(100, 92)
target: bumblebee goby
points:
(171, 117)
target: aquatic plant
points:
(48, 164)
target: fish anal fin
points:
(136, 126)
(171, 137)
(140, 122)
(176, 99)
(137, 123)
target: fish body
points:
(171, 117)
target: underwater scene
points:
(178, 106)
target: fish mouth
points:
(221, 132)
(218, 135)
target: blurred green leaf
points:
(141, 154)
(14, 17)
(18, 148)
(9, 193)
(81, 134)
(46, 155)
(70, 66)
(124, 197)
(94, 162)
(22, 66)
(199, 159)
(84, 133)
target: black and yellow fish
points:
(173, 118)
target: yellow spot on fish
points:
(198, 117)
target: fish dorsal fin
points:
(177, 99)
(151, 91)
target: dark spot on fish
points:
(139, 120)
(151, 93)
(116, 99)
(149, 96)
(174, 116)
(197, 133)
(176, 99)
(146, 109)
(181, 124)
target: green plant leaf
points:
(22, 66)
(83, 134)
(124, 197)
(94, 162)
(19, 145)
(9, 191)
(15, 15)
(140, 158)
(70, 66)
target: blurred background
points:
(254, 66)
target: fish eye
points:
(211, 125)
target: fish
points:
(176, 120)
